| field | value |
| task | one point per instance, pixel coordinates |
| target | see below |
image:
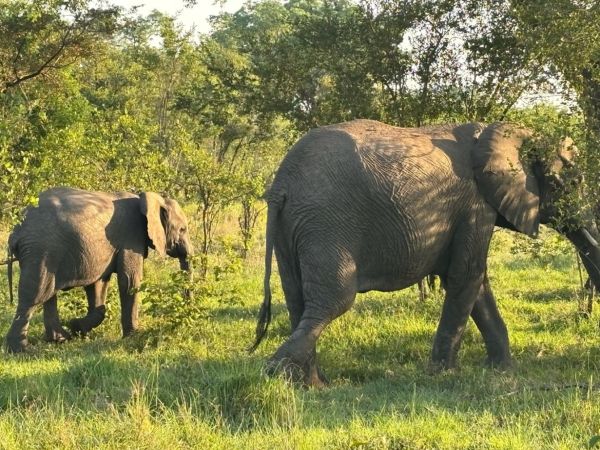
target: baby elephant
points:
(80, 238)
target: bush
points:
(176, 314)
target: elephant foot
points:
(434, 367)
(316, 379)
(322, 377)
(308, 374)
(131, 332)
(77, 327)
(59, 336)
(83, 325)
(443, 357)
(17, 345)
(502, 364)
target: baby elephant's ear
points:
(152, 206)
(505, 183)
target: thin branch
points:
(42, 67)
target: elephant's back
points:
(68, 205)
(430, 150)
(446, 145)
(366, 154)
(70, 231)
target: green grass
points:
(198, 388)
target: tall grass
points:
(196, 387)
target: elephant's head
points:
(167, 227)
(528, 184)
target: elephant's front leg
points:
(54, 330)
(455, 313)
(129, 274)
(464, 279)
(96, 296)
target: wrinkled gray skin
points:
(80, 238)
(363, 206)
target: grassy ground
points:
(197, 387)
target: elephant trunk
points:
(185, 264)
(586, 243)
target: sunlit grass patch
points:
(197, 387)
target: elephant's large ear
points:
(503, 181)
(153, 207)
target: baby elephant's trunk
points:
(185, 264)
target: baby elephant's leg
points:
(96, 295)
(54, 331)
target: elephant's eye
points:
(182, 229)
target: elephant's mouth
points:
(174, 252)
(180, 250)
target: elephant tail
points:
(264, 316)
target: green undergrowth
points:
(186, 380)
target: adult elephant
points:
(363, 206)
(80, 238)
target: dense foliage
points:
(98, 97)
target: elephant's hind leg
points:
(296, 358)
(325, 298)
(294, 300)
(292, 289)
(35, 287)
(16, 339)
(96, 296)
(54, 331)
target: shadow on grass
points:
(563, 321)
(528, 261)
(545, 296)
